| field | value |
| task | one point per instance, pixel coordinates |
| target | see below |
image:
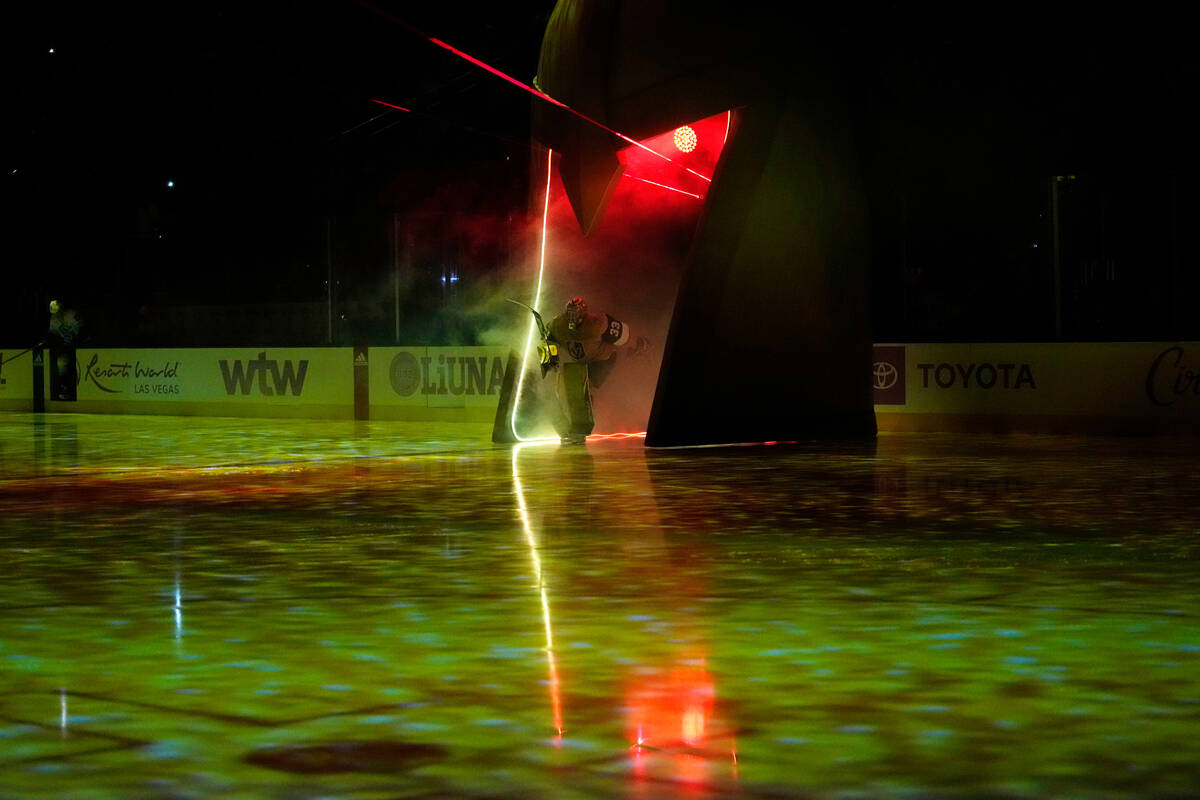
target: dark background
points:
(286, 174)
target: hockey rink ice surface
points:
(237, 608)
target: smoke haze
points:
(471, 260)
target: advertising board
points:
(1117, 386)
(1105, 387)
(436, 383)
(16, 379)
(294, 382)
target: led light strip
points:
(537, 295)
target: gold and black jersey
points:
(594, 339)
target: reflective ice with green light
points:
(230, 608)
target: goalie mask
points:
(575, 313)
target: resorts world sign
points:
(118, 376)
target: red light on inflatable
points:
(664, 186)
(690, 172)
(685, 139)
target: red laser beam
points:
(500, 74)
(391, 105)
(466, 56)
(664, 186)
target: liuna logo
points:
(272, 379)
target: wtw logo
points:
(281, 380)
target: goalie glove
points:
(548, 354)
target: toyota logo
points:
(885, 375)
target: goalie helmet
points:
(575, 313)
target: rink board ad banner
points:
(16, 379)
(1148, 380)
(405, 380)
(1153, 385)
(286, 381)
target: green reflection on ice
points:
(972, 616)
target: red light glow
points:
(672, 710)
(697, 147)
(555, 693)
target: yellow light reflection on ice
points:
(523, 512)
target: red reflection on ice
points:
(671, 710)
(555, 694)
(675, 737)
(595, 437)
